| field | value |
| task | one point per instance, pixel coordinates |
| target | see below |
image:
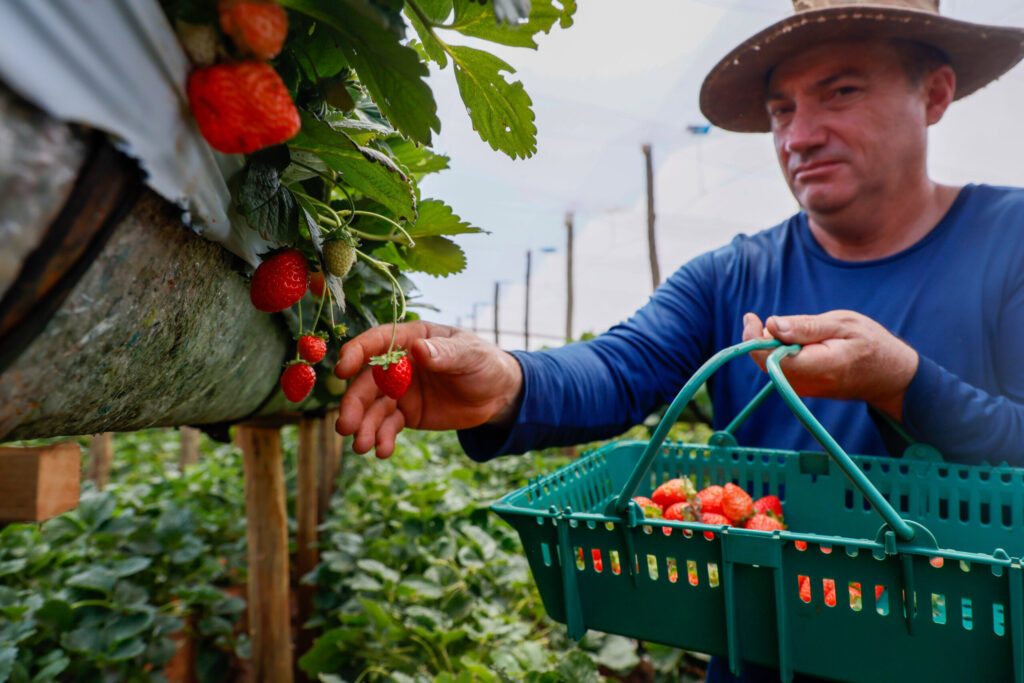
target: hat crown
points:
(920, 5)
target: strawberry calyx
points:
(386, 359)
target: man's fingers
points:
(356, 400)
(807, 329)
(357, 352)
(389, 429)
(753, 329)
(366, 435)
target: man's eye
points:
(844, 91)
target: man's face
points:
(847, 122)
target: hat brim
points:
(732, 95)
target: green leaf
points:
(129, 625)
(12, 566)
(322, 54)
(128, 649)
(392, 72)
(482, 539)
(437, 256)
(55, 663)
(8, 653)
(327, 653)
(267, 205)
(618, 653)
(367, 170)
(131, 565)
(436, 218)
(500, 110)
(99, 578)
(435, 10)
(476, 20)
(416, 158)
(432, 48)
(56, 615)
(379, 569)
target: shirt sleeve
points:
(597, 389)
(964, 422)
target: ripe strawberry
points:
(675, 491)
(339, 257)
(805, 588)
(392, 372)
(297, 381)
(596, 555)
(681, 511)
(713, 518)
(737, 504)
(312, 348)
(762, 522)
(279, 281)
(711, 499)
(650, 508)
(769, 505)
(242, 106)
(257, 27)
(317, 284)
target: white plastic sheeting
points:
(117, 66)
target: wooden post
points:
(267, 532)
(652, 249)
(568, 287)
(39, 482)
(306, 553)
(189, 447)
(329, 450)
(101, 452)
(526, 317)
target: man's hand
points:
(458, 381)
(845, 355)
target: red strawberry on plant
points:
(242, 106)
(711, 498)
(279, 282)
(392, 372)
(257, 27)
(762, 522)
(737, 504)
(297, 381)
(769, 505)
(312, 348)
(317, 284)
(674, 491)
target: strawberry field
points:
(418, 580)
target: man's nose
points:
(805, 131)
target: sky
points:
(623, 75)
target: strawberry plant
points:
(329, 102)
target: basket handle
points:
(902, 529)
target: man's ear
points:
(939, 87)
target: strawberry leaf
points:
(417, 159)
(500, 110)
(267, 205)
(437, 256)
(392, 72)
(476, 20)
(367, 170)
(316, 236)
(430, 46)
(436, 218)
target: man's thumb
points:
(437, 354)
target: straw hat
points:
(732, 96)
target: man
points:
(907, 295)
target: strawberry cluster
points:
(678, 499)
(241, 105)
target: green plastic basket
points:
(946, 556)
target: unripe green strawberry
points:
(199, 41)
(279, 282)
(297, 381)
(339, 257)
(312, 348)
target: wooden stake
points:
(652, 249)
(101, 452)
(306, 553)
(329, 450)
(189, 447)
(267, 532)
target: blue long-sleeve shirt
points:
(957, 297)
